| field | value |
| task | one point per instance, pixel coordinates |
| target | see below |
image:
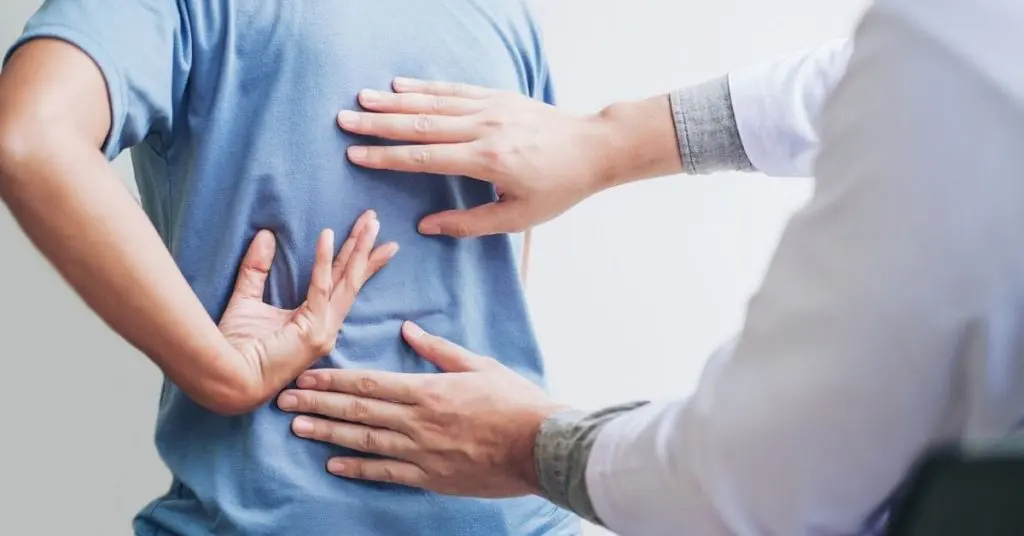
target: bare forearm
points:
(75, 210)
(692, 130)
(72, 205)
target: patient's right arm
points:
(54, 117)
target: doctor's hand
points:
(468, 431)
(541, 160)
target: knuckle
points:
(357, 410)
(422, 124)
(369, 441)
(330, 433)
(326, 343)
(460, 229)
(308, 403)
(434, 398)
(441, 104)
(493, 155)
(446, 471)
(422, 156)
(319, 431)
(367, 386)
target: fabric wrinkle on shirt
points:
(229, 109)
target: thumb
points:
(492, 218)
(448, 356)
(252, 274)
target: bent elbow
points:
(233, 398)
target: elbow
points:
(233, 398)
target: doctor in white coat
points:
(891, 318)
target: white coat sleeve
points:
(894, 294)
(777, 105)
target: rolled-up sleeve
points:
(902, 267)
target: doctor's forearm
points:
(699, 135)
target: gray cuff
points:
(561, 452)
(709, 140)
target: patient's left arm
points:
(54, 118)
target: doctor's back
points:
(229, 108)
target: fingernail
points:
(357, 153)
(287, 402)
(302, 426)
(392, 249)
(402, 81)
(306, 381)
(335, 466)
(369, 96)
(429, 228)
(413, 330)
(348, 118)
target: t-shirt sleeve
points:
(142, 48)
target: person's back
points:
(232, 104)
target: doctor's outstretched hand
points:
(541, 160)
(469, 431)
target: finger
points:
(380, 257)
(252, 273)
(387, 471)
(354, 276)
(451, 89)
(421, 128)
(418, 103)
(338, 269)
(448, 356)
(355, 436)
(319, 294)
(380, 385)
(488, 219)
(345, 407)
(439, 159)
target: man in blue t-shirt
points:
(229, 109)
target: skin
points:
(54, 117)
(471, 430)
(542, 160)
(468, 431)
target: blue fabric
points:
(229, 108)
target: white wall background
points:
(630, 291)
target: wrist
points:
(634, 141)
(525, 459)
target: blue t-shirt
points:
(229, 108)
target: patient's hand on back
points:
(280, 344)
